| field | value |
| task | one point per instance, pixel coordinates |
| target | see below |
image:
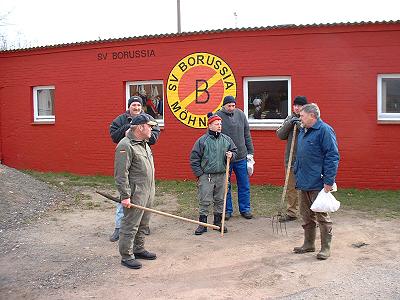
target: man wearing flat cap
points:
(285, 132)
(118, 129)
(134, 179)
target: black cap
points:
(143, 119)
(135, 99)
(300, 100)
(229, 99)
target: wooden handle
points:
(289, 165)
(228, 160)
(115, 199)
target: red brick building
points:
(56, 102)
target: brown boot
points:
(309, 241)
(326, 240)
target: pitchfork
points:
(276, 218)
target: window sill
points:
(383, 121)
(273, 126)
(44, 123)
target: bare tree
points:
(3, 38)
(19, 41)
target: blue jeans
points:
(119, 213)
(243, 184)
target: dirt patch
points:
(66, 255)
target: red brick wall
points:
(335, 66)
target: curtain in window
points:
(45, 103)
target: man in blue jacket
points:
(315, 169)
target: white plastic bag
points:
(250, 164)
(325, 202)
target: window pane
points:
(152, 95)
(45, 103)
(391, 95)
(268, 99)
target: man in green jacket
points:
(118, 128)
(134, 179)
(208, 162)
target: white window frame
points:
(37, 118)
(160, 122)
(385, 117)
(265, 124)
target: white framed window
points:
(388, 98)
(152, 93)
(267, 100)
(43, 103)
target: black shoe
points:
(201, 229)
(228, 216)
(287, 218)
(247, 215)
(218, 222)
(115, 236)
(131, 264)
(145, 255)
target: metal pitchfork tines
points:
(277, 224)
(277, 219)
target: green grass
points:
(67, 180)
(265, 199)
(378, 203)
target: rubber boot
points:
(201, 229)
(326, 240)
(218, 222)
(309, 241)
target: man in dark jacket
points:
(208, 162)
(118, 129)
(315, 169)
(236, 126)
(285, 132)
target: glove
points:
(295, 121)
(126, 203)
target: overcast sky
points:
(48, 22)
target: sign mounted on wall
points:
(197, 85)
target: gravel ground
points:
(371, 282)
(25, 199)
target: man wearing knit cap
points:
(237, 128)
(285, 132)
(118, 130)
(208, 162)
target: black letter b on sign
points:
(199, 83)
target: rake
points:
(276, 224)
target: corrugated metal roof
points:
(167, 35)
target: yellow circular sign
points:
(197, 85)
